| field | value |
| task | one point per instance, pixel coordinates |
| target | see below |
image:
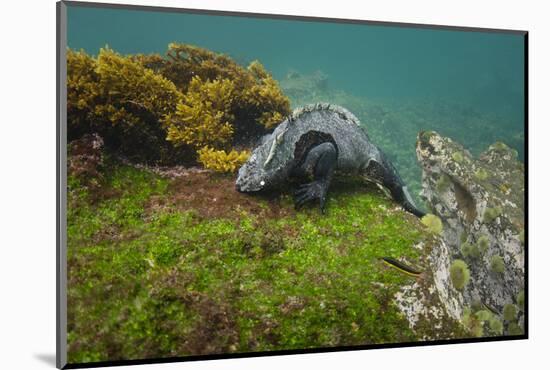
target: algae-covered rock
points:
(430, 304)
(192, 267)
(482, 208)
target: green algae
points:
(469, 250)
(432, 223)
(460, 274)
(443, 183)
(495, 325)
(491, 214)
(497, 264)
(481, 174)
(483, 315)
(520, 299)
(148, 280)
(458, 157)
(509, 312)
(483, 244)
(499, 146)
(515, 329)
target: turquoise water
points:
(369, 60)
(398, 80)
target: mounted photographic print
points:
(234, 184)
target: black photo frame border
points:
(61, 185)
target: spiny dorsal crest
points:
(345, 114)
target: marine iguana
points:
(315, 142)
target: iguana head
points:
(267, 165)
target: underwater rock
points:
(309, 87)
(481, 205)
(431, 306)
(86, 158)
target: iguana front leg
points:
(320, 162)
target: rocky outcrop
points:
(481, 204)
(432, 307)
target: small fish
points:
(401, 266)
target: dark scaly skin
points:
(320, 163)
(316, 141)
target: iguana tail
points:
(401, 195)
(398, 190)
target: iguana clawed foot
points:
(310, 191)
